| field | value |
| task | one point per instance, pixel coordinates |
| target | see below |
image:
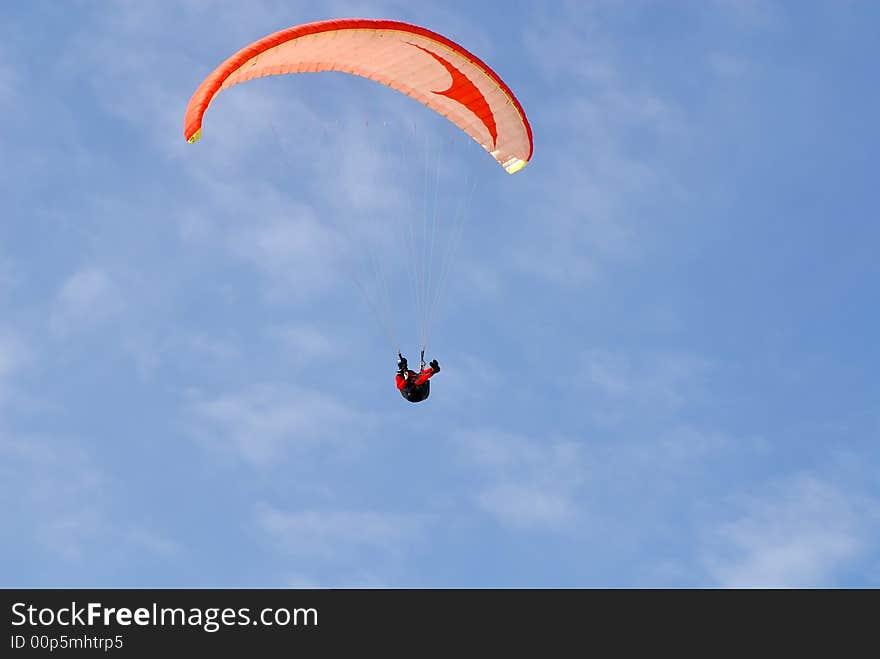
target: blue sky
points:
(658, 340)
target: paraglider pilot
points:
(415, 386)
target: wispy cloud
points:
(594, 184)
(471, 377)
(303, 343)
(579, 40)
(661, 383)
(527, 484)
(60, 491)
(294, 252)
(729, 66)
(144, 538)
(157, 81)
(804, 532)
(61, 504)
(7, 278)
(265, 422)
(524, 507)
(751, 14)
(86, 299)
(15, 354)
(541, 483)
(334, 535)
(8, 82)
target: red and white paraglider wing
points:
(413, 60)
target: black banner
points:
(416, 622)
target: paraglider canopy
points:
(415, 61)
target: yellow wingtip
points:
(195, 136)
(516, 165)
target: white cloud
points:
(58, 500)
(58, 491)
(144, 538)
(527, 507)
(158, 80)
(469, 376)
(11, 71)
(657, 384)
(336, 535)
(304, 343)
(529, 484)
(8, 83)
(750, 14)
(573, 34)
(263, 423)
(302, 581)
(215, 349)
(15, 354)
(8, 277)
(803, 533)
(296, 253)
(87, 298)
(729, 66)
(684, 446)
(608, 133)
